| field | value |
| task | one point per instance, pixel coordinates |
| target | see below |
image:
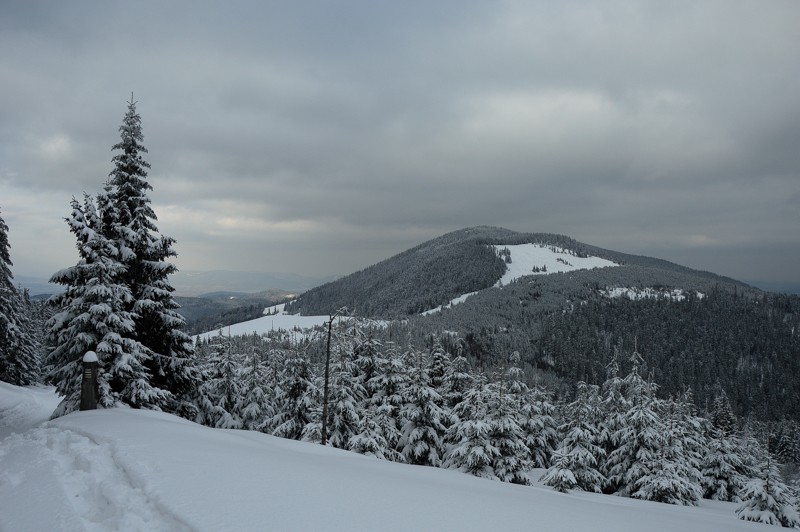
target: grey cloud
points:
(329, 135)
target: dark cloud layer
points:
(320, 137)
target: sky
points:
(320, 137)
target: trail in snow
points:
(82, 480)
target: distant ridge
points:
(196, 283)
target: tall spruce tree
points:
(148, 361)
(130, 222)
(19, 360)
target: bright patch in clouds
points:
(56, 148)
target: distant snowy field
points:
(137, 470)
(276, 322)
(535, 259)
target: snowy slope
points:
(524, 257)
(125, 469)
(534, 259)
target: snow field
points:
(275, 322)
(124, 469)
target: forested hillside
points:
(714, 335)
(698, 330)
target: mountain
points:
(573, 311)
(440, 270)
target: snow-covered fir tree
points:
(559, 475)
(577, 459)
(93, 317)
(439, 365)
(422, 418)
(297, 400)
(220, 393)
(470, 449)
(377, 434)
(456, 382)
(673, 476)
(506, 398)
(387, 389)
(255, 403)
(369, 363)
(722, 416)
(538, 424)
(723, 472)
(19, 350)
(767, 499)
(130, 220)
(614, 405)
(348, 393)
(639, 438)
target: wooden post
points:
(89, 381)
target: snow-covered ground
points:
(635, 294)
(132, 470)
(534, 259)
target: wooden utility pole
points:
(324, 440)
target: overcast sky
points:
(321, 137)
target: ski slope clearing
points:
(533, 259)
(541, 259)
(124, 469)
